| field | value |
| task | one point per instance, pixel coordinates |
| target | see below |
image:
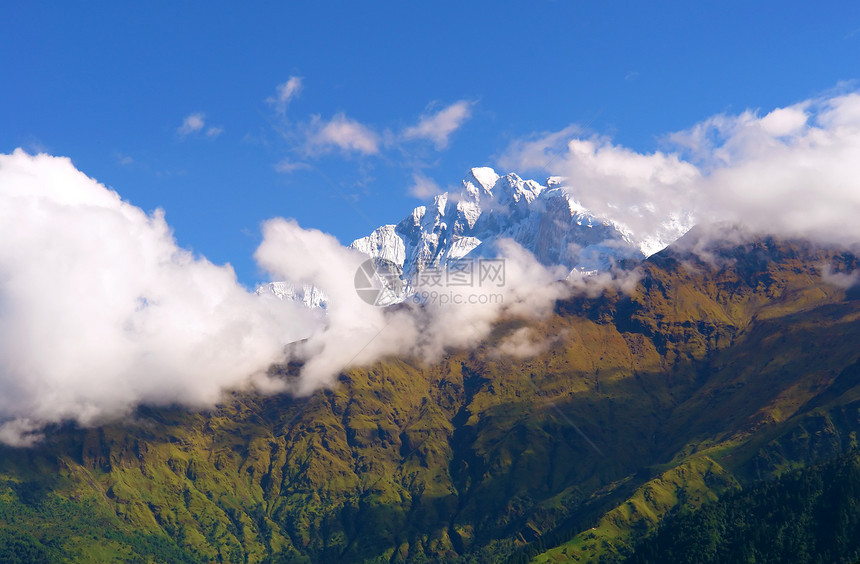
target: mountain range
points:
(545, 219)
(732, 361)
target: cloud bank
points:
(793, 171)
(358, 333)
(100, 309)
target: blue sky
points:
(111, 85)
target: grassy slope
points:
(691, 483)
(701, 377)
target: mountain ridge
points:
(545, 219)
(699, 377)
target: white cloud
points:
(101, 310)
(299, 255)
(423, 188)
(793, 171)
(357, 333)
(285, 93)
(439, 126)
(196, 123)
(287, 166)
(785, 121)
(524, 342)
(192, 124)
(844, 280)
(351, 136)
(341, 132)
(538, 151)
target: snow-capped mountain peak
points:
(480, 179)
(306, 294)
(545, 219)
(384, 243)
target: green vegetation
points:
(689, 484)
(708, 376)
(809, 515)
(40, 526)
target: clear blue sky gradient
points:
(108, 84)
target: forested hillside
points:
(809, 515)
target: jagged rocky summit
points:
(306, 294)
(545, 219)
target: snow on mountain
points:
(384, 243)
(307, 294)
(543, 218)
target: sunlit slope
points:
(709, 374)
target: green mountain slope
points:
(710, 374)
(809, 515)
